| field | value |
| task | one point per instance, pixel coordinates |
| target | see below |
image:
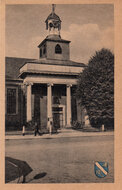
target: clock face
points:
(51, 25)
(54, 24)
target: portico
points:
(50, 103)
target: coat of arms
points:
(101, 169)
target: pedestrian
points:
(23, 130)
(36, 129)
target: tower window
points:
(58, 49)
(44, 50)
(40, 52)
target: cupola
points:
(53, 22)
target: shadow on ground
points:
(38, 176)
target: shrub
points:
(29, 125)
(77, 125)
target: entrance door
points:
(58, 120)
(57, 117)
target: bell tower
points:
(53, 22)
(53, 47)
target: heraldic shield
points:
(101, 169)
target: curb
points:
(63, 135)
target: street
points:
(64, 160)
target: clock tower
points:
(53, 22)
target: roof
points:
(53, 38)
(33, 72)
(12, 66)
(53, 16)
(56, 62)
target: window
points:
(57, 109)
(11, 100)
(40, 52)
(58, 49)
(56, 100)
(44, 50)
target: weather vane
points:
(53, 8)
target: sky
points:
(89, 28)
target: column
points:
(68, 94)
(29, 106)
(49, 104)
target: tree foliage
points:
(96, 88)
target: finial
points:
(53, 8)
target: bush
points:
(77, 125)
(29, 125)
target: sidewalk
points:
(61, 133)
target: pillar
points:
(68, 97)
(49, 104)
(29, 103)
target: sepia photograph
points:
(59, 93)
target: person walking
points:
(23, 130)
(36, 129)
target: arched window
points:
(44, 50)
(40, 52)
(58, 49)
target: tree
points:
(95, 88)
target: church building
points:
(43, 90)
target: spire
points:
(53, 8)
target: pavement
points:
(61, 133)
(56, 159)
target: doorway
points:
(58, 120)
(58, 116)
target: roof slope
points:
(53, 16)
(12, 66)
(54, 38)
(57, 62)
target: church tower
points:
(53, 46)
